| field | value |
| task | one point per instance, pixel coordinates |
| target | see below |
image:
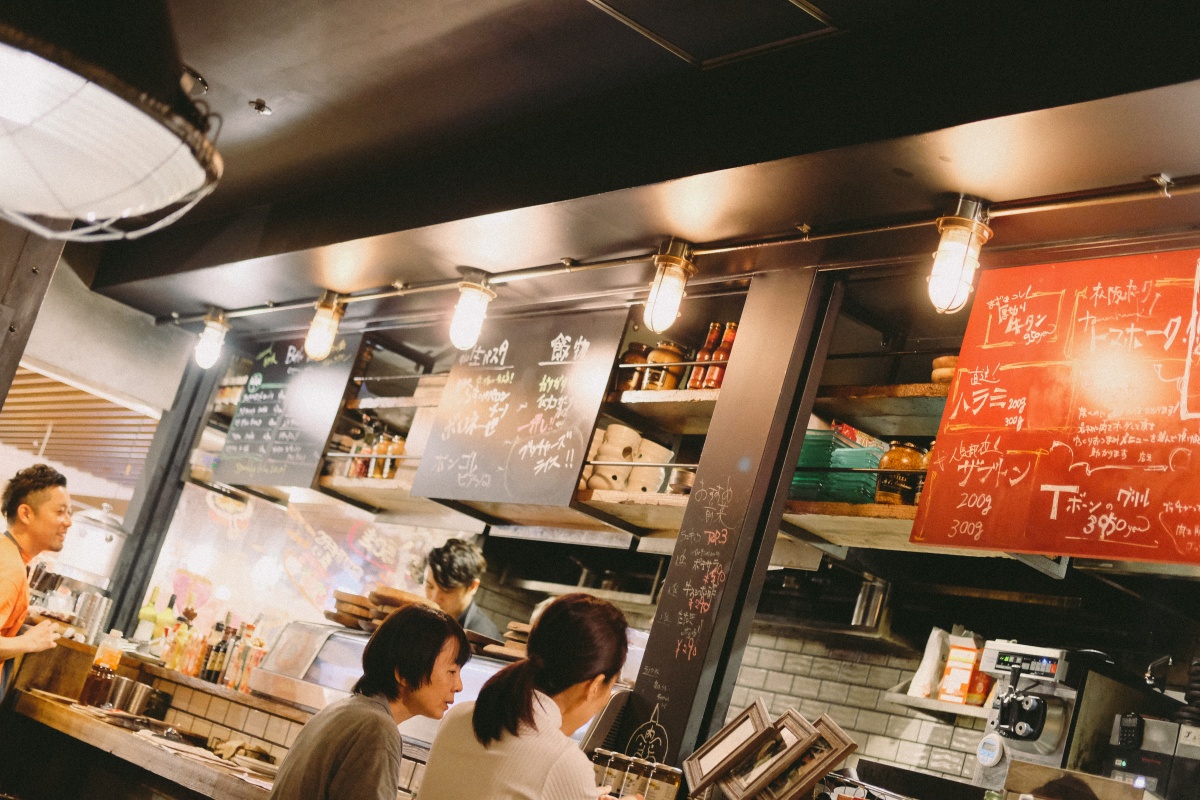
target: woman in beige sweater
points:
(513, 743)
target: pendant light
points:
(674, 265)
(208, 348)
(94, 123)
(323, 331)
(963, 235)
(470, 312)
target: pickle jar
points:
(631, 378)
(614, 771)
(664, 352)
(664, 782)
(600, 761)
(635, 778)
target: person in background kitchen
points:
(38, 512)
(351, 749)
(452, 576)
(514, 742)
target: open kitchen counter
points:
(192, 777)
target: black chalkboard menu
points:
(285, 417)
(515, 420)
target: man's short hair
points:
(405, 647)
(28, 481)
(457, 563)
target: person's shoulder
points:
(570, 775)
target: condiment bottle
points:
(600, 759)
(665, 352)
(636, 778)
(696, 381)
(215, 667)
(925, 462)
(214, 638)
(99, 680)
(147, 617)
(629, 379)
(395, 449)
(898, 488)
(614, 771)
(663, 783)
(380, 461)
(714, 376)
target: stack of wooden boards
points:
(365, 612)
(513, 647)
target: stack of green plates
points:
(817, 451)
(852, 487)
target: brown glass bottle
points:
(715, 375)
(696, 381)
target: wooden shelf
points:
(686, 411)
(899, 696)
(395, 496)
(874, 526)
(659, 511)
(907, 409)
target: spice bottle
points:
(99, 680)
(696, 381)
(664, 352)
(663, 783)
(626, 380)
(926, 459)
(380, 461)
(898, 488)
(715, 374)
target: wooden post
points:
(27, 263)
(720, 560)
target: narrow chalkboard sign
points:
(514, 422)
(285, 417)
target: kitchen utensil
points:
(120, 693)
(138, 697)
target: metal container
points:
(120, 693)
(138, 698)
(91, 551)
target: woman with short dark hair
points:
(351, 748)
(514, 743)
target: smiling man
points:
(38, 512)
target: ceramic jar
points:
(649, 479)
(664, 352)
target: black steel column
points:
(717, 571)
(27, 263)
(161, 485)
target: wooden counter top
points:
(128, 746)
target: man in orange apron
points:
(37, 508)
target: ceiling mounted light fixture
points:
(323, 331)
(208, 348)
(94, 122)
(474, 295)
(674, 263)
(964, 234)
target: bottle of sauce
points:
(216, 659)
(380, 462)
(99, 680)
(395, 450)
(664, 782)
(898, 488)
(696, 381)
(714, 376)
(147, 617)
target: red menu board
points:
(1073, 423)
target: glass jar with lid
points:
(630, 378)
(665, 352)
(664, 782)
(899, 488)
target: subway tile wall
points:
(788, 670)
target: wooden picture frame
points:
(742, 734)
(829, 749)
(759, 767)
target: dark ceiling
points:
(411, 138)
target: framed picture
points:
(745, 732)
(829, 749)
(753, 772)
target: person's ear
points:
(24, 512)
(597, 686)
(403, 684)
